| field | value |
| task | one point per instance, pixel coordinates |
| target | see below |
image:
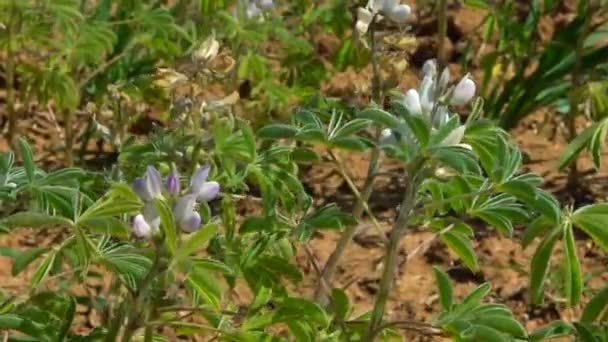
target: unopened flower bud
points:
(444, 80)
(387, 137)
(412, 102)
(173, 183)
(207, 51)
(141, 228)
(265, 4)
(464, 92)
(429, 68)
(364, 19)
(399, 14)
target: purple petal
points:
(184, 207)
(151, 215)
(173, 183)
(141, 228)
(153, 181)
(198, 179)
(208, 191)
(140, 188)
(192, 223)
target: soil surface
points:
(504, 263)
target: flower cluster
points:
(255, 8)
(391, 9)
(431, 101)
(149, 187)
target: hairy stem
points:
(10, 78)
(390, 257)
(574, 99)
(69, 137)
(347, 235)
(442, 23)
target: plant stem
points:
(390, 257)
(69, 137)
(574, 98)
(10, 78)
(374, 163)
(442, 28)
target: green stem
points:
(391, 255)
(442, 23)
(346, 237)
(10, 77)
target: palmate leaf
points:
(539, 266)
(593, 220)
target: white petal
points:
(387, 137)
(153, 181)
(464, 92)
(198, 179)
(441, 116)
(192, 223)
(375, 5)
(389, 6)
(412, 102)
(444, 79)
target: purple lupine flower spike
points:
(141, 228)
(192, 223)
(173, 185)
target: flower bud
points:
(441, 116)
(192, 223)
(252, 10)
(455, 136)
(265, 5)
(429, 68)
(400, 14)
(387, 137)
(412, 102)
(364, 19)
(151, 216)
(173, 183)
(207, 51)
(153, 181)
(444, 80)
(464, 92)
(141, 228)
(426, 94)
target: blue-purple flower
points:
(150, 187)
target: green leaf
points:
(206, 287)
(473, 299)
(420, 129)
(535, 229)
(539, 266)
(28, 159)
(554, 330)
(277, 131)
(167, 223)
(43, 270)
(481, 333)
(197, 240)
(575, 147)
(593, 220)
(584, 333)
(446, 296)
(26, 258)
(597, 307)
(597, 141)
(380, 116)
(304, 155)
(503, 324)
(351, 127)
(32, 219)
(275, 264)
(340, 303)
(352, 143)
(461, 245)
(297, 308)
(574, 278)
